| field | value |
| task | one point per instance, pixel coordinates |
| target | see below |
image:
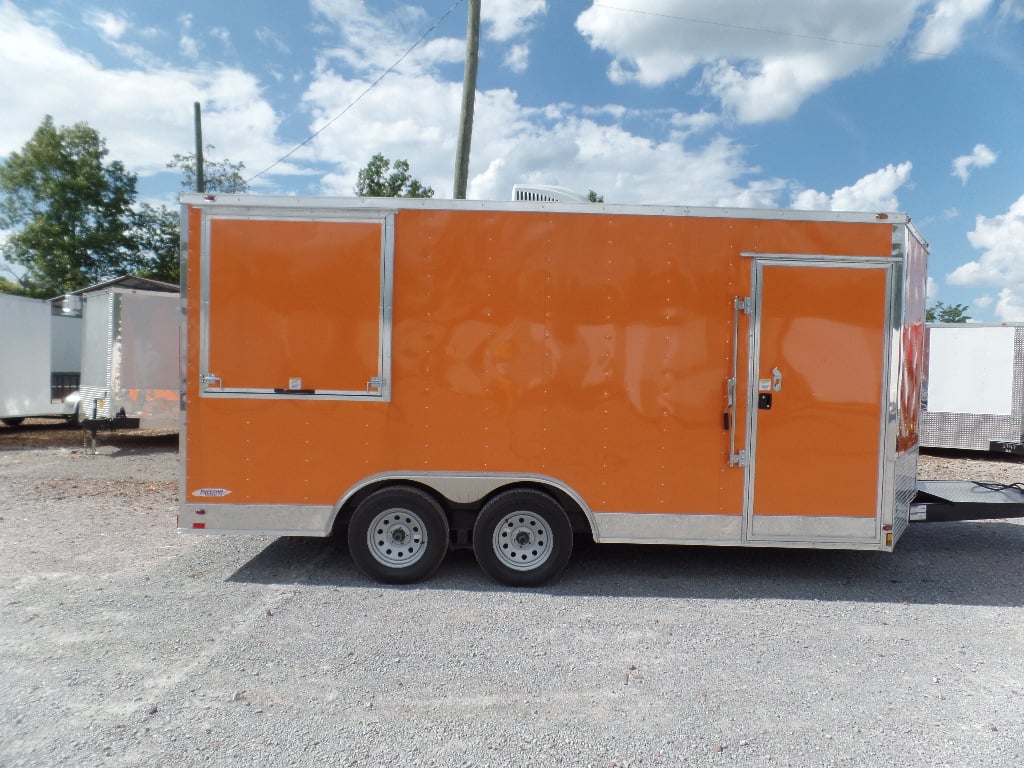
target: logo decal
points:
(209, 493)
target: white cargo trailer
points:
(974, 392)
(130, 374)
(39, 359)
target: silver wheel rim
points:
(522, 541)
(397, 538)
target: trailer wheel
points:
(398, 535)
(522, 538)
(14, 421)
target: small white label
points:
(211, 492)
(294, 383)
(764, 385)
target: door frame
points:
(824, 531)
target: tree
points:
(70, 210)
(156, 232)
(594, 197)
(947, 313)
(219, 175)
(375, 181)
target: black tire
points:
(398, 535)
(14, 421)
(522, 538)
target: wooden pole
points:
(200, 163)
(468, 100)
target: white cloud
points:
(981, 302)
(518, 57)
(1001, 264)
(145, 113)
(508, 19)
(111, 26)
(512, 143)
(944, 28)
(268, 37)
(762, 61)
(1012, 9)
(980, 157)
(873, 192)
(1010, 305)
(931, 291)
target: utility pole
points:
(200, 164)
(468, 100)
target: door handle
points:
(776, 380)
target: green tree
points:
(947, 313)
(156, 232)
(594, 197)
(69, 209)
(219, 175)
(376, 181)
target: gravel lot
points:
(123, 643)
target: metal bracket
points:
(738, 459)
(376, 383)
(746, 306)
(206, 381)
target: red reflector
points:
(198, 525)
(200, 511)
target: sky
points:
(859, 105)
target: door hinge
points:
(738, 460)
(746, 306)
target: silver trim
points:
(266, 519)
(739, 306)
(659, 528)
(822, 259)
(307, 205)
(793, 528)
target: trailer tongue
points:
(946, 501)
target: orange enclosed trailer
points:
(429, 374)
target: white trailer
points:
(130, 374)
(974, 390)
(40, 354)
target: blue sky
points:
(911, 105)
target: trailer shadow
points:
(977, 564)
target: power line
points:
(356, 100)
(762, 30)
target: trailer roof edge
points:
(309, 202)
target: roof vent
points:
(542, 193)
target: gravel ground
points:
(123, 643)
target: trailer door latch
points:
(210, 381)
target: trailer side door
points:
(818, 367)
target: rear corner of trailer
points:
(911, 250)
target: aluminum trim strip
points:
(657, 528)
(793, 528)
(307, 206)
(263, 519)
(822, 259)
